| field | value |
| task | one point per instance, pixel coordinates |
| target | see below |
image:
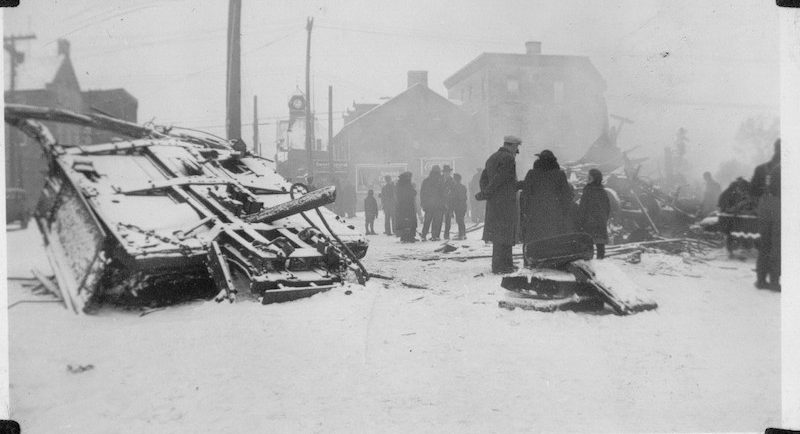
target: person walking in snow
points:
(499, 190)
(593, 212)
(370, 212)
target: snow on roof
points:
(35, 72)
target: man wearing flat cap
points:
(499, 189)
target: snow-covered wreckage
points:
(166, 210)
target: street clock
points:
(297, 103)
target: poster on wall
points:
(425, 164)
(370, 176)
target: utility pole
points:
(330, 131)
(14, 153)
(233, 91)
(309, 118)
(256, 143)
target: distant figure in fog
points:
(447, 187)
(338, 204)
(499, 189)
(370, 212)
(593, 212)
(349, 199)
(406, 213)
(546, 200)
(388, 201)
(766, 187)
(477, 208)
(710, 194)
(431, 196)
(457, 204)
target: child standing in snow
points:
(370, 212)
(594, 210)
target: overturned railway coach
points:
(169, 209)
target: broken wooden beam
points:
(311, 200)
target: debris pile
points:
(169, 211)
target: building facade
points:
(409, 132)
(551, 102)
(50, 81)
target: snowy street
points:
(396, 358)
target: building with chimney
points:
(51, 81)
(410, 132)
(551, 102)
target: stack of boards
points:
(562, 276)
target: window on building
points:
(558, 92)
(512, 85)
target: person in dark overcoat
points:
(457, 203)
(447, 189)
(370, 212)
(432, 199)
(593, 212)
(499, 189)
(388, 201)
(546, 200)
(766, 187)
(405, 209)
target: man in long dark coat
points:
(499, 189)
(546, 200)
(388, 201)
(766, 186)
(406, 213)
(432, 199)
(447, 188)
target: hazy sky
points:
(702, 65)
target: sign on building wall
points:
(370, 176)
(425, 164)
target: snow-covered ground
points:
(391, 358)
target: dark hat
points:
(546, 154)
(436, 168)
(447, 168)
(512, 140)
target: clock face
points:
(297, 103)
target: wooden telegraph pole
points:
(14, 153)
(330, 132)
(233, 94)
(256, 143)
(309, 117)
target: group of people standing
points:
(442, 198)
(546, 204)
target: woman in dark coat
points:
(593, 212)
(546, 200)
(406, 217)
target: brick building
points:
(549, 101)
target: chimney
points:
(533, 47)
(415, 77)
(63, 47)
